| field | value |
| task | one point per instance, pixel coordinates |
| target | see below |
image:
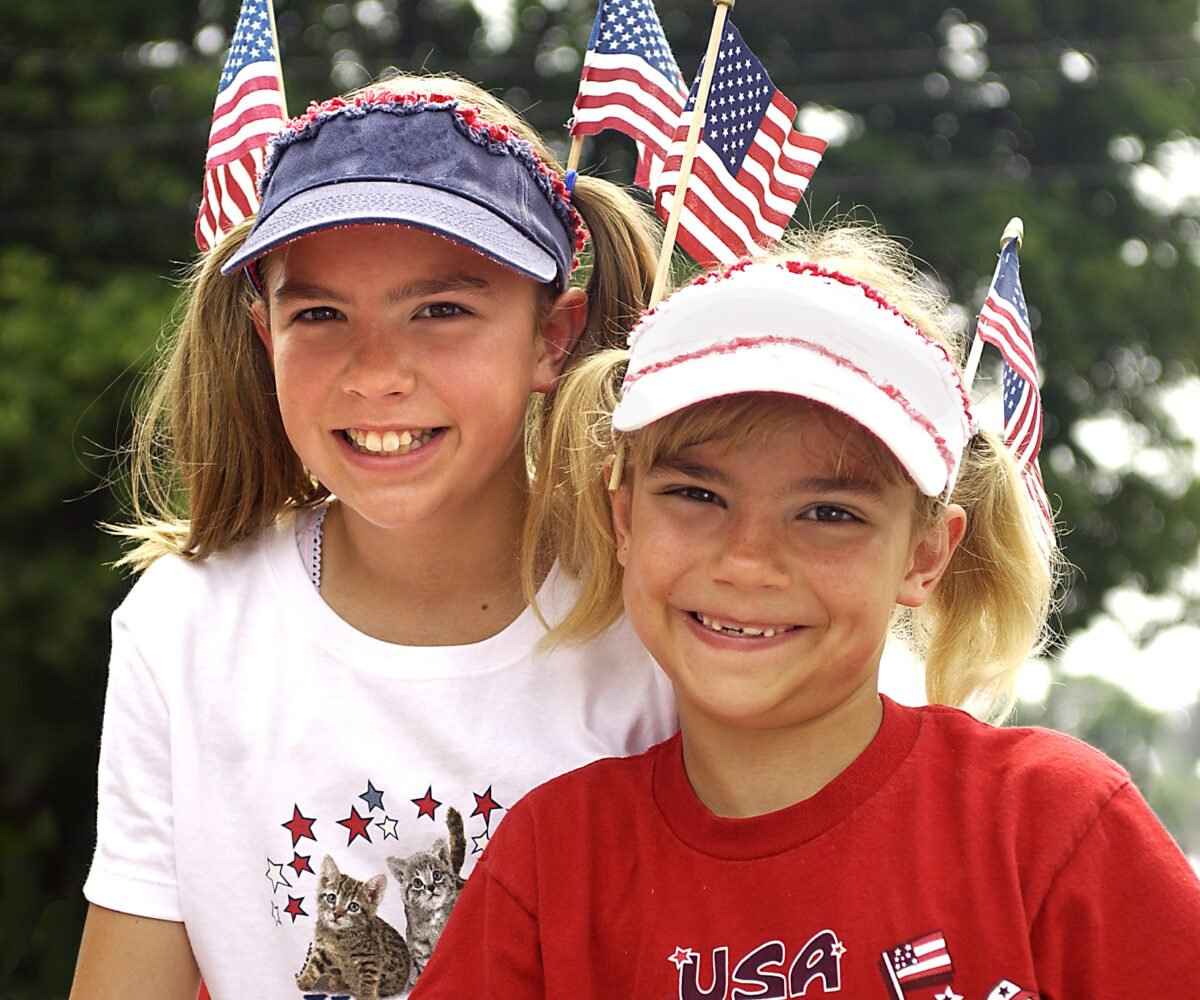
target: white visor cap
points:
(807, 332)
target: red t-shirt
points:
(951, 859)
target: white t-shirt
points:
(249, 732)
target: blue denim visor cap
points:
(415, 169)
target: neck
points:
(748, 772)
(449, 580)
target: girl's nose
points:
(751, 554)
(380, 365)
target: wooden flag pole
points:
(575, 154)
(1015, 230)
(689, 152)
(278, 60)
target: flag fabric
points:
(1004, 323)
(924, 961)
(1007, 990)
(631, 82)
(752, 166)
(249, 109)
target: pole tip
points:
(1015, 230)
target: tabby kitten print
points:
(353, 951)
(431, 884)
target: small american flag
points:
(751, 166)
(924, 961)
(1004, 323)
(1007, 990)
(631, 82)
(248, 111)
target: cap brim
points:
(790, 369)
(364, 202)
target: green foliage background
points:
(107, 108)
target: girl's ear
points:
(564, 322)
(931, 554)
(621, 500)
(262, 326)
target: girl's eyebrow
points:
(809, 484)
(413, 290)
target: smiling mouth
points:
(742, 631)
(391, 442)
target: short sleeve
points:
(133, 869)
(1121, 918)
(491, 946)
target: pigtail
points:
(989, 612)
(623, 256)
(568, 432)
(210, 462)
(569, 517)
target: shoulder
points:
(1038, 768)
(172, 584)
(579, 809)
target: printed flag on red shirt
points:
(631, 82)
(751, 168)
(924, 961)
(1004, 323)
(1007, 990)
(249, 110)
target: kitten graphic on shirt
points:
(353, 951)
(431, 883)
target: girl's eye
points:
(441, 310)
(317, 314)
(829, 512)
(697, 494)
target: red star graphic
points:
(299, 826)
(357, 825)
(426, 805)
(485, 805)
(294, 908)
(300, 863)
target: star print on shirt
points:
(299, 826)
(388, 826)
(373, 797)
(300, 863)
(681, 957)
(485, 805)
(478, 842)
(357, 825)
(294, 908)
(948, 994)
(275, 875)
(275, 913)
(426, 805)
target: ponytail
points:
(989, 612)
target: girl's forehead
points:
(796, 429)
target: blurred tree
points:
(949, 121)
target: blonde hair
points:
(210, 461)
(988, 613)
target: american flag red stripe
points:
(751, 166)
(248, 110)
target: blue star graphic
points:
(373, 797)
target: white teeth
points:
(768, 633)
(389, 442)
